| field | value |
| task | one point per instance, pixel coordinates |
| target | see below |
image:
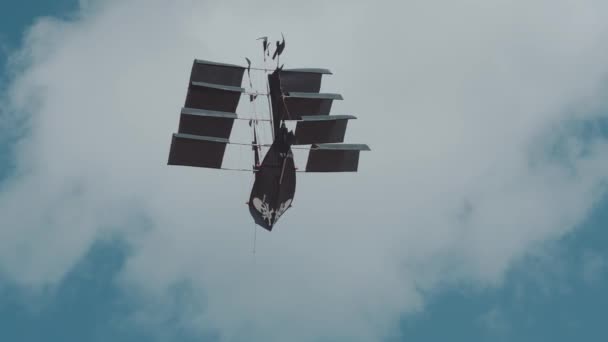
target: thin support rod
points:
(270, 109)
(268, 145)
(231, 169)
(249, 119)
(261, 69)
(247, 92)
(255, 230)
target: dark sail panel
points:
(213, 97)
(334, 157)
(206, 123)
(217, 73)
(321, 129)
(198, 151)
(302, 80)
(306, 104)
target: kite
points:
(210, 110)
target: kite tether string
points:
(255, 230)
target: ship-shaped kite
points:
(210, 110)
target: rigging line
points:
(236, 169)
(252, 170)
(257, 116)
(260, 118)
(261, 69)
(264, 132)
(249, 119)
(258, 149)
(247, 92)
(270, 116)
(253, 124)
(268, 145)
(255, 230)
(270, 109)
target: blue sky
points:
(23, 14)
(557, 294)
(546, 300)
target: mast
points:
(269, 107)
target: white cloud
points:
(457, 100)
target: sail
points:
(334, 157)
(206, 122)
(305, 80)
(321, 129)
(197, 151)
(202, 95)
(215, 86)
(217, 73)
(305, 104)
(295, 93)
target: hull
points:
(274, 187)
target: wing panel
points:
(306, 104)
(212, 97)
(334, 158)
(206, 123)
(300, 81)
(321, 129)
(197, 151)
(217, 73)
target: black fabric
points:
(334, 158)
(217, 73)
(200, 123)
(208, 97)
(316, 132)
(279, 112)
(198, 151)
(255, 148)
(292, 105)
(303, 106)
(264, 46)
(300, 81)
(275, 183)
(280, 48)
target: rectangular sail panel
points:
(197, 151)
(217, 73)
(214, 97)
(206, 122)
(334, 157)
(302, 80)
(321, 129)
(306, 104)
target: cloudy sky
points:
(480, 213)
